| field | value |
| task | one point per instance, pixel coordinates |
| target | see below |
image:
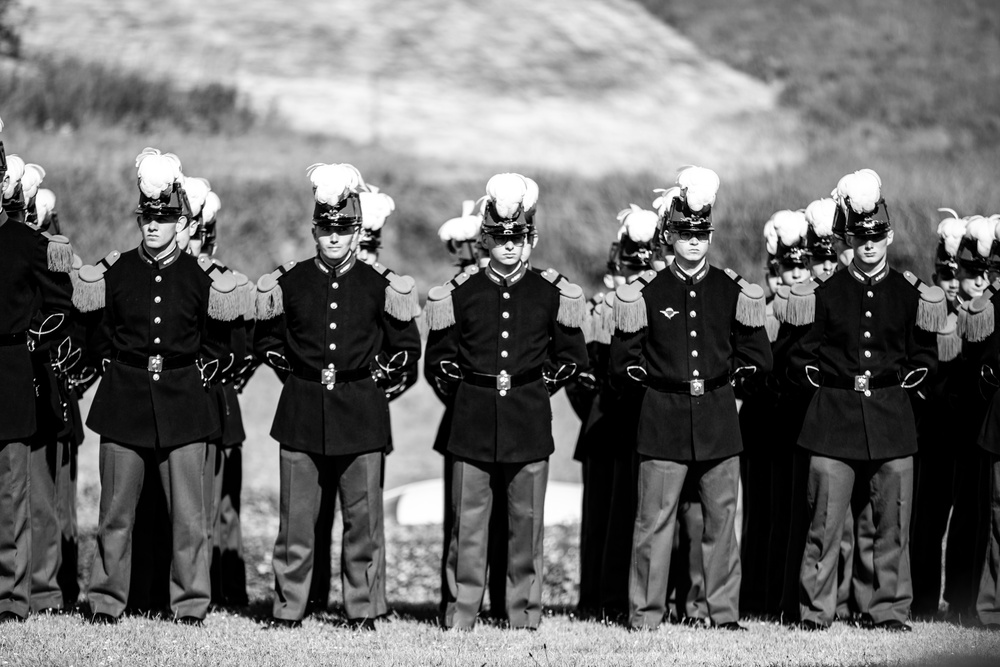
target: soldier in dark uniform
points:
(935, 408)
(341, 330)
(35, 292)
(606, 446)
(872, 338)
(152, 408)
(501, 340)
(688, 422)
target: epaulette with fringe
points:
(572, 305)
(401, 301)
(949, 343)
(224, 301)
(629, 310)
(74, 274)
(247, 292)
(801, 309)
(976, 319)
(750, 307)
(60, 253)
(89, 291)
(780, 302)
(771, 323)
(932, 312)
(593, 329)
(439, 310)
(270, 302)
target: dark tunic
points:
(863, 324)
(692, 333)
(504, 324)
(154, 307)
(26, 287)
(333, 319)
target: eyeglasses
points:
(503, 239)
(688, 235)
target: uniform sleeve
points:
(751, 351)
(441, 362)
(582, 389)
(921, 357)
(269, 344)
(398, 361)
(567, 355)
(53, 317)
(627, 361)
(803, 355)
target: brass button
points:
(868, 334)
(693, 293)
(158, 279)
(333, 325)
(335, 285)
(156, 377)
(694, 353)
(503, 392)
(333, 306)
(694, 334)
(871, 293)
(330, 365)
(868, 313)
(868, 392)
(503, 353)
(157, 299)
(695, 373)
(156, 320)
(504, 334)
(156, 340)
(505, 315)
(329, 387)
(868, 354)
(333, 346)
(506, 295)
(868, 374)
(694, 314)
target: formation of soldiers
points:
(818, 413)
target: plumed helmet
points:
(375, 209)
(209, 221)
(31, 181)
(785, 237)
(691, 208)
(864, 209)
(161, 189)
(44, 213)
(636, 238)
(461, 234)
(507, 197)
(335, 189)
(821, 215)
(3, 157)
(975, 246)
(197, 190)
(14, 204)
(950, 232)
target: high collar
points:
(346, 265)
(873, 279)
(163, 260)
(695, 277)
(509, 279)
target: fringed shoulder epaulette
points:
(439, 311)
(591, 321)
(629, 308)
(89, 291)
(750, 306)
(949, 343)
(247, 292)
(224, 300)
(801, 309)
(976, 319)
(780, 303)
(401, 301)
(771, 323)
(572, 304)
(932, 311)
(270, 302)
(60, 253)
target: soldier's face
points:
(505, 250)
(773, 282)
(158, 233)
(793, 274)
(845, 253)
(971, 283)
(690, 246)
(948, 281)
(823, 268)
(335, 243)
(869, 251)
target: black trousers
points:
(476, 487)
(181, 472)
(308, 482)
(932, 497)
(988, 599)
(964, 558)
(229, 572)
(834, 487)
(68, 577)
(660, 485)
(15, 528)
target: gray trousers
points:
(308, 482)
(181, 471)
(835, 486)
(46, 530)
(475, 488)
(660, 484)
(15, 528)
(988, 600)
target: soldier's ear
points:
(182, 223)
(888, 238)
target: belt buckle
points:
(503, 381)
(329, 376)
(697, 387)
(155, 364)
(861, 383)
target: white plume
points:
(463, 228)
(157, 171)
(788, 227)
(507, 191)
(638, 223)
(981, 230)
(770, 237)
(1, 124)
(820, 214)
(375, 208)
(15, 170)
(45, 203)
(699, 186)
(951, 230)
(531, 194)
(996, 220)
(863, 188)
(332, 181)
(667, 195)
(31, 180)
(468, 207)
(197, 190)
(211, 207)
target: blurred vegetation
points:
(902, 64)
(12, 16)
